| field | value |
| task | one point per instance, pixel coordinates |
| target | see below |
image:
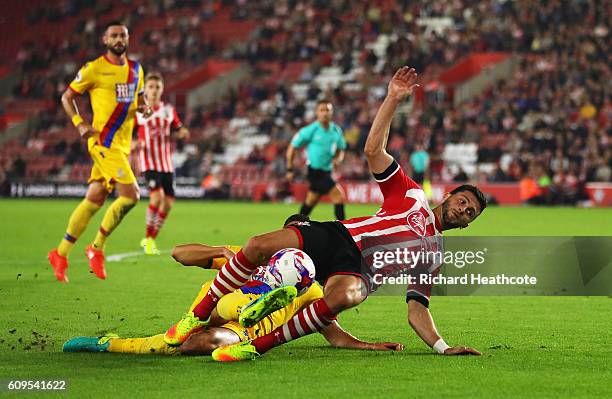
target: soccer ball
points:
(291, 266)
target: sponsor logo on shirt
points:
(124, 92)
(416, 222)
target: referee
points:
(325, 147)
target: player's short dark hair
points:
(323, 101)
(154, 76)
(482, 200)
(298, 217)
(115, 22)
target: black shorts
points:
(160, 180)
(320, 181)
(331, 248)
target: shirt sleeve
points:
(84, 79)
(341, 140)
(421, 292)
(302, 137)
(393, 184)
(176, 121)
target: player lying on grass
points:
(336, 247)
(224, 328)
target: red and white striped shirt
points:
(154, 131)
(405, 216)
(405, 211)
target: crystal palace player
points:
(155, 157)
(335, 247)
(115, 87)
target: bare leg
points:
(341, 292)
(96, 193)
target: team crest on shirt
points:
(416, 222)
(124, 92)
(120, 173)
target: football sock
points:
(154, 345)
(311, 319)
(150, 220)
(113, 216)
(305, 209)
(159, 222)
(339, 211)
(232, 276)
(201, 295)
(76, 225)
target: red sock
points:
(151, 216)
(158, 223)
(311, 319)
(232, 276)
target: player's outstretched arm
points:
(401, 86)
(199, 254)
(422, 323)
(338, 338)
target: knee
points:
(199, 344)
(339, 300)
(97, 197)
(258, 247)
(228, 307)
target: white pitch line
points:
(125, 255)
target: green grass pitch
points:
(532, 346)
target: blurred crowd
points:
(549, 124)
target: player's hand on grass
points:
(86, 130)
(386, 346)
(461, 350)
(403, 83)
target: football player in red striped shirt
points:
(337, 248)
(155, 157)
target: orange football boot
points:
(96, 261)
(59, 264)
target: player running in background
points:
(325, 147)
(155, 158)
(336, 247)
(224, 328)
(115, 87)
